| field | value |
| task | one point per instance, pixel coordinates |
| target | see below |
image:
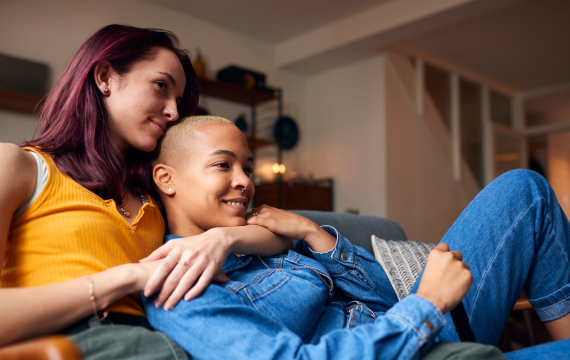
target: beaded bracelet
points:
(92, 298)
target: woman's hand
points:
(186, 260)
(291, 225)
(446, 279)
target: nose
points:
(243, 183)
(170, 111)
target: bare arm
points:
(292, 225)
(29, 312)
(252, 239)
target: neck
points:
(181, 226)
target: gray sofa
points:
(357, 228)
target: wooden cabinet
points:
(296, 196)
(18, 102)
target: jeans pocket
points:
(358, 314)
(294, 302)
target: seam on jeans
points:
(556, 236)
(272, 288)
(483, 278)
(169, 345)
(329, 283)
(553, 230)
(262, 276)
(237, 287)
(340, 273)
(335, 302)
(356, 304)
(409, 324)
(240, 265)
(550, 303)
(369, 284)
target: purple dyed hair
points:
(73, 121)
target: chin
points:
(239, 221)
(147, 145)
(232, 222)
(223, 220)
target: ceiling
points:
(271, 20)
(524, 46)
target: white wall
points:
(16, 127)
(50, 31)
(423, 196)
(339, 112)
(559, 168)
(343, 135)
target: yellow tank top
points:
(68, 232)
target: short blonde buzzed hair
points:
(178, 135)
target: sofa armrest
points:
(53, 347)
(522, 304)
(357, 228)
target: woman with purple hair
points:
(77, 213)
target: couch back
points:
(357, 228)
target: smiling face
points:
(141, 102)
(213, 168)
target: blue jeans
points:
(513, 235)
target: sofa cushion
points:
(357, 228)
(402, 261)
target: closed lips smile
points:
(162, 127)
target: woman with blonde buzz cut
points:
(329, 299)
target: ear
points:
(163, 176)
(103, 73)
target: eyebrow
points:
(169, 77)
(229, 153)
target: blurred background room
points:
(403, 109)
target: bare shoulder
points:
(15, 157)
(18, 174)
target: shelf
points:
(254, 143)
(18, 102)
(295, 196)
(232, 92)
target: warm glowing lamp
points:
(278, 168)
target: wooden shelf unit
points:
(239, 94)
(254, 143)
(232, 92)
(296, 196)
(18, 102)
(236, 93)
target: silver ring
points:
(243, 191)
